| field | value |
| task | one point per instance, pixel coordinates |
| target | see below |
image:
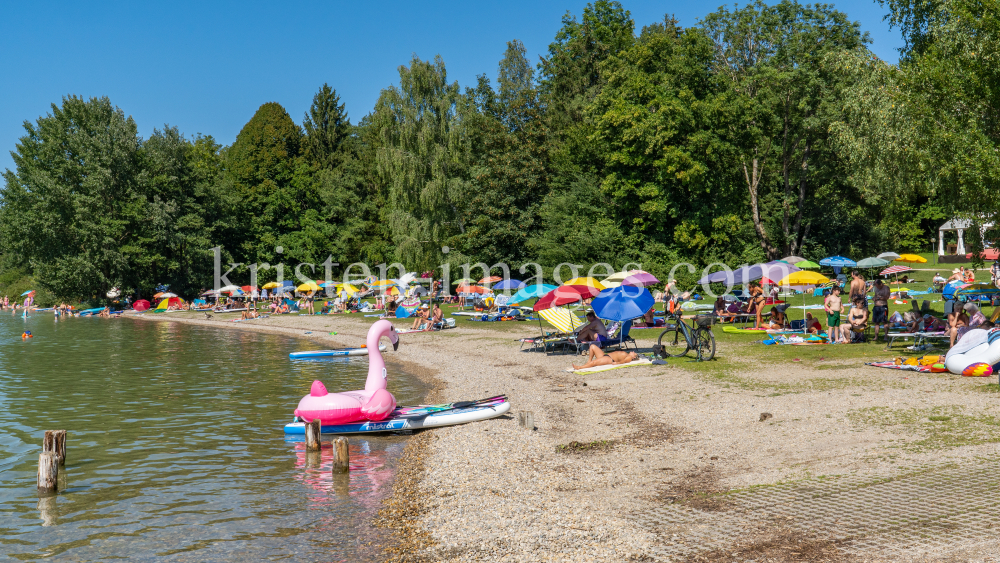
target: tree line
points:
(760, 132)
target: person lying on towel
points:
(597, 357)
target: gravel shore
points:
(624, 465)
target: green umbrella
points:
(872, 263)
(807, 265)
(463, 280)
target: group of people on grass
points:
(850, 326)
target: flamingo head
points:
(394, 338)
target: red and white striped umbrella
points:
(895, 270)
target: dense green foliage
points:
(760, 132)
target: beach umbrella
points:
(895, 270)
(307, 287)
(350, 289)
(206, 294)
(872, 263)
(272, 285)
(392, 291)
(226, 289)
(462, 281)
(803, 277)
(490, 279)
(508, 284)
(470, 289)
(167, 295)
(141, 305)
(888, 256)
(381, 284)
(29, 292)
(640, 279)
(564, 295)
(807, 265)
(248, 288)
(622, 303)
(530, 292)
(157, 294)
(585, 281)
(912, 258)
(838, 262)
(793, 260)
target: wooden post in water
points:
(341, 456)
(55, 443)
(313, 434)
(48, 473)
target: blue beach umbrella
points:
(27, 292)
(622, 303)
(508, 284)
(530, 292)
(838, 262)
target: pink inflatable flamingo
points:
(372, 403)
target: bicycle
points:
(678, 338)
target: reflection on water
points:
(175, 448)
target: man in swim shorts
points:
(880, 312)
(597, 357)
(833, 306)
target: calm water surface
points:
(175, 445)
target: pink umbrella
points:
(640, 279)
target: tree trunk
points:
(753, 183)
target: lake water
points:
(175, 445)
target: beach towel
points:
(639, 362)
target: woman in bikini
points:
(597, 357)
(757, 300)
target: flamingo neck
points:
(376, 365)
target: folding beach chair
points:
(565, 321)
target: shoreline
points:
(641, 463)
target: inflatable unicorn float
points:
(373, 403)
(977, 354)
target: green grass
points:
(935, 428)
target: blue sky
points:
(207, 66)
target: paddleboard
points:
(409, 418)
(733, 330)
(337, 352)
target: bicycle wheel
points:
(705, 342)
(672, 343)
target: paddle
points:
(453, 406)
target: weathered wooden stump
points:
(313, 435)
(55, 442)
(48, 473)
(341, 456)
(526, 419)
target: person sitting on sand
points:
(812, 324)
(420, 318)
(593, 331)
(283, 309)
(597, 357)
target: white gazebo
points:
(959, 225)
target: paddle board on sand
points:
(329, 353)
(412, 418)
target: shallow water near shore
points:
(175, 445)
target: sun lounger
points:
(919, 338)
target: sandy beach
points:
(734, 460)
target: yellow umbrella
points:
(383, 283)
(271, 285)
(803, 277)
(350, 289)
(586, 281)
(911, 258)
(392, 291)
(311, 286)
